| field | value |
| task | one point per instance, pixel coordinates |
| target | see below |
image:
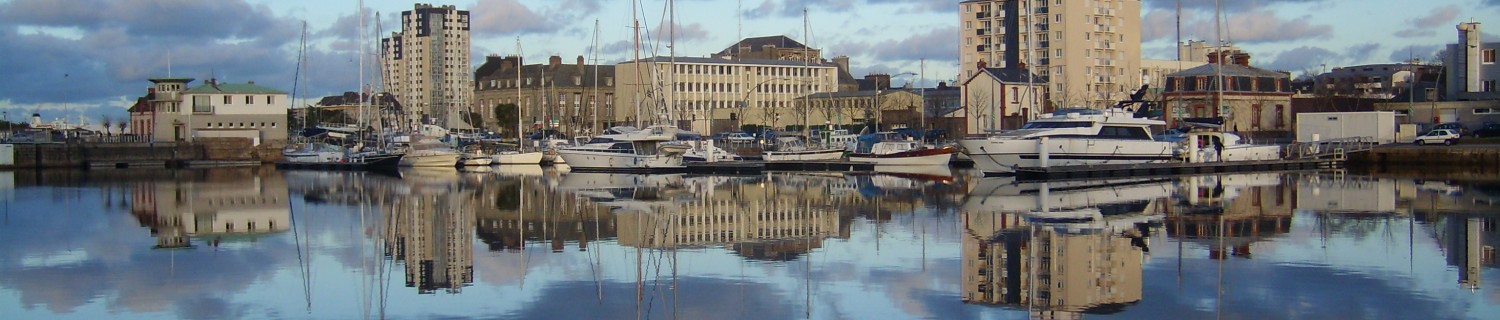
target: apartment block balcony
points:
(982, 48)
(980, 32)
(1041, 10)
(982, 15)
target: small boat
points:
(313, 152)
(424, 150)
(1215, 146)
(474, 156)
(517, 157)
(895, 149)
(794, 149)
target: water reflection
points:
(1059, 249)
(887, 244)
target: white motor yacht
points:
(794, 149)
(1070, 137)
(652, 148)
(894, 149)
(424, 149)
(1215, 146)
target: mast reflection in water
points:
(527, 242)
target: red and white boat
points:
(895, 149)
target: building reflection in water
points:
(1058, 249)
(216, 207)
(430, 229)
(1228, 213)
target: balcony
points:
(981, 15)
(980, 32)
(1041, 10)
(982, 48)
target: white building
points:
(1002, 98)
(175, 112)
(1471, 68)
(427, 65)
(696, 93)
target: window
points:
(1015, 95)
(249, 100)
(226, 99)
(1488, 56)
(1487, 86)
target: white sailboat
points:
(520, 155)
(424, 150)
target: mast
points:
(635, 26)
(806, 103)
(1218, 67)
(361, 39)
(594, 101)
(519, 139)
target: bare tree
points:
(107, 121)
(122, 123)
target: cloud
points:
(1424, 52)
(935, 45)
(1257, 25)
(1303, 58)
(787, 8)
(507, 17)
(1361, 52)
(682, 32)
(1427, 25)
(1228, 6)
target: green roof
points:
(250, 88)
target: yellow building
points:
(1089, 50)
(711, 94)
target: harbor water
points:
(527, 242)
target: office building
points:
(716, 94)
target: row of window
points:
(226, 125)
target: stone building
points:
(1251, 99)
(172, 111)
(572, 98)
(716, 94)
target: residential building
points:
(1055, 271)
(175, 112)
(716, 94)
(1374, 81)
(214, 208)
(1154, 74)
(1089, 50)
(1002, 98)
(426, 65)
(1251, 99)
(569, 98)
(1471, 67)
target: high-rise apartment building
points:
(1089, 50)
(426, 65)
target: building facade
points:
(175, 112)
(880, 109)
(715, 94)
(571, 98)
(1089, 50)
(426, 65)
(1002, 98)
(1470, 63)
(1375, 81)
(1251, 99)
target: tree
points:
(107, 121)
(505, 115)
(122, 123)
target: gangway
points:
(1336, 149)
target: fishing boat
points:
(895, 149)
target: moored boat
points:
(1070, 137)
(893, 149)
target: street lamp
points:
(746, 100)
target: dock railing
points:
(1336, 149)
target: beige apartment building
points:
(716, 94)
(1089, 50)
(426, 65)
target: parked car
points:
(1458, 128)
(1443, 136)
(740, 137)
(1488, 130)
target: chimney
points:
(580, 63)
(252, 82)
(1470, 47)
(554, 61)
(1241, 58)
(942, 85)
(1213, 57)
(982, 65)
(842, 62)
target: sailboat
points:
(651, 149)
(520, 155)
(795, 148)
(312, 151)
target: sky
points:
(90, 59)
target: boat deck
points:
(758, 166)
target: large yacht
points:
(652, 148)
(1070, 137)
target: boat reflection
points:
(1058, 249)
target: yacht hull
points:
(998, 155)
(430, 160)
(605, 161)
(518, 158)
(803, 155)
(920, 157)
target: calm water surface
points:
(534, 243)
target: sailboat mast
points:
(519, 140)
(1218, 67)
(594, 102)
(361, 50)
(806, 103)
(635, 26)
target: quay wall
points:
(76, 154)
(1461, 155)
